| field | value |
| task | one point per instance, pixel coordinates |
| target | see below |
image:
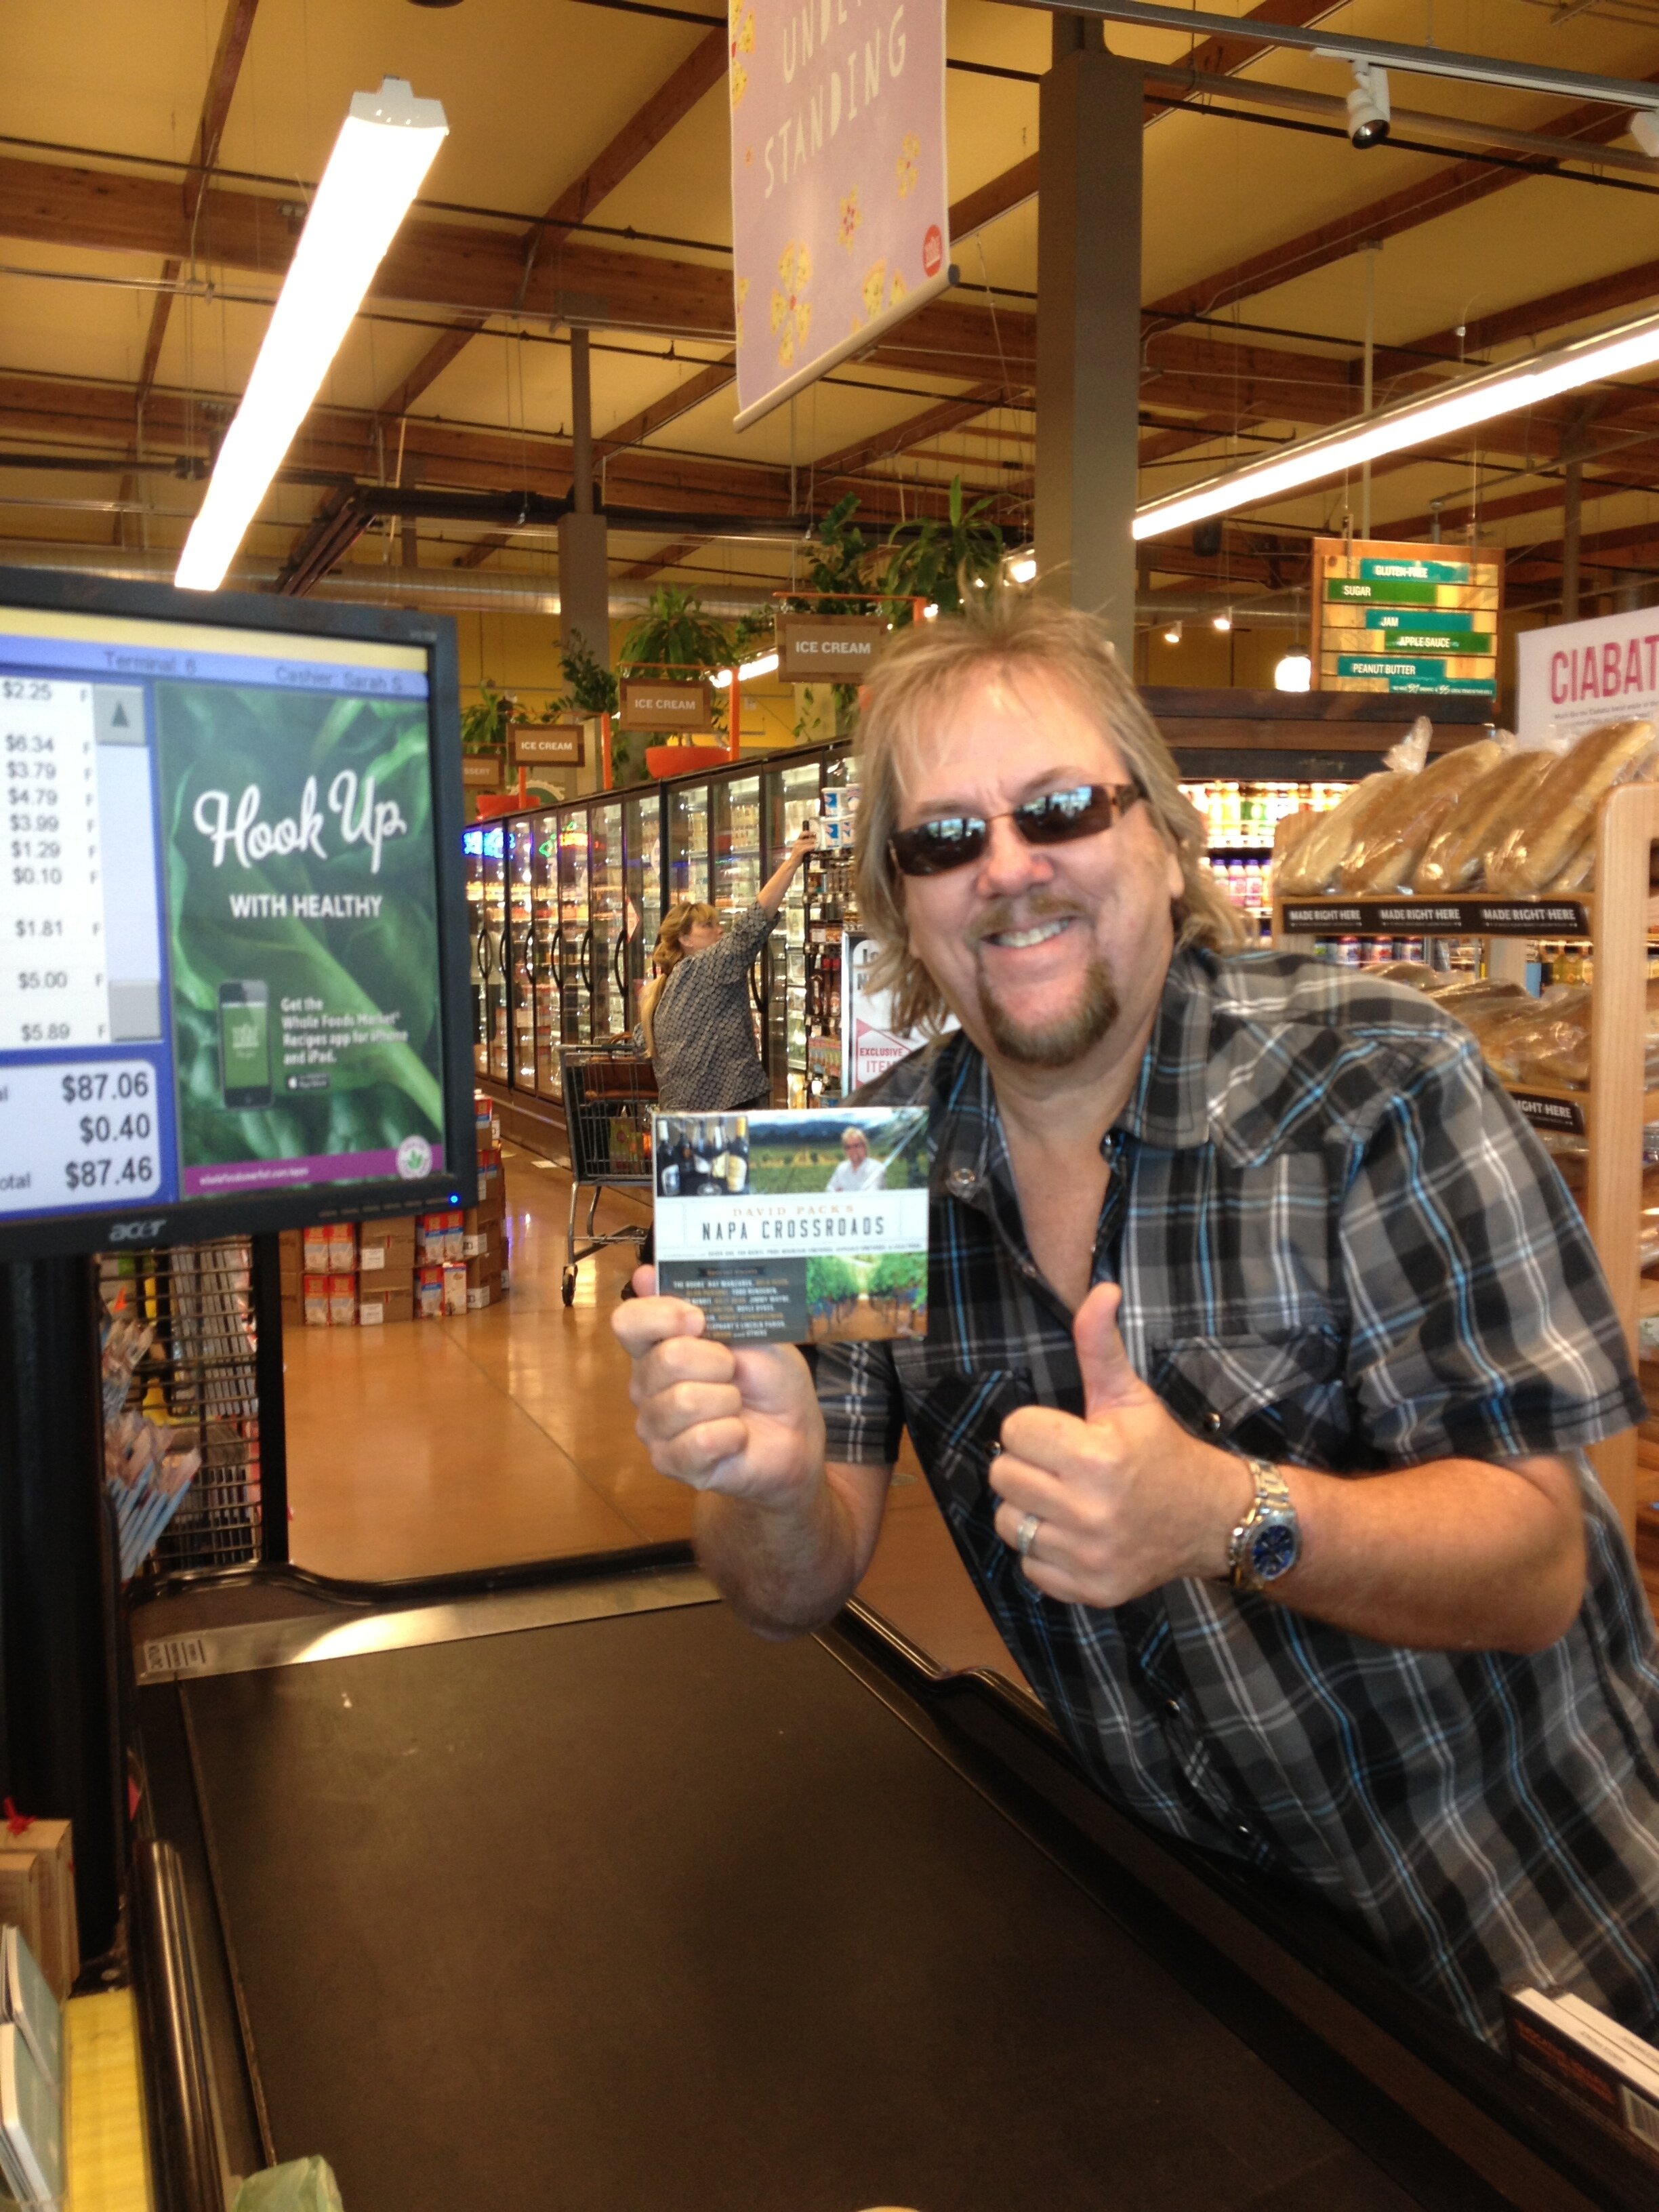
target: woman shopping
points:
(695, 1013)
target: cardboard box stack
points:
(342, 1274)
(37, 1896)
(418, 1267)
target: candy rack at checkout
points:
(1591, 1088)
(418, 1267)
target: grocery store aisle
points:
(429, 1447)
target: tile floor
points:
(434, 1446)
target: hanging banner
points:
(840, 212)
(1579, 674)
(1405, 617)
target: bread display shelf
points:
(1474, 916)
(1610, 1111)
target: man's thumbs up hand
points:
(1108, 1381)
(1125, 1499)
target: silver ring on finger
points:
(1026, 1534)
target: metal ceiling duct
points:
(516, 593)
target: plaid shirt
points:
(1341, 1246)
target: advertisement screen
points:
(220, 920)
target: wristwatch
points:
(1268, 1541)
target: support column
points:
(584, 569)
(1091, 118)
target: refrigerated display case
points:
(567, 903)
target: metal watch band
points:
(1272, 1508)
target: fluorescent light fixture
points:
(1439, 414)
(762, 666)
(1022, 568)
(1294, 673)
(379, 161)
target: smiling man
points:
(1263, 1341)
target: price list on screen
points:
(53, 985)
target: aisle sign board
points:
(1397, 617)
(1580, 674)
(829, 649)
(480, 772)
(667, 708)
(559, 743)
(840, 210)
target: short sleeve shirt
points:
(1339, 1247)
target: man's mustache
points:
(1022, 914)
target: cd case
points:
(795, 1227)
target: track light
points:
(1294, 673)
(380, 158)
(1223, 622)
(1022, 568)
(1459, 406)
(1172, 636)
(1645, 130)
(1369, 113)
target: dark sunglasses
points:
(933, 848)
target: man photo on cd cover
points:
(1264, 1347)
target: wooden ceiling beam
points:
(234, 30)
(644, 130)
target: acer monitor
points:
(233, 938)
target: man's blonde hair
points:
(912, 690)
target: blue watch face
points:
(1273, 1552)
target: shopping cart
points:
(608, 1097)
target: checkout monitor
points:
(232, 961)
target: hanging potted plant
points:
(674, 633)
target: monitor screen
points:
(231, 964)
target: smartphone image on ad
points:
(245, 1043)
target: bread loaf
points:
(1312, 863)
(1385, 858)
(1561, 812)
(1453, 857)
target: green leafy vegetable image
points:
(298, 852)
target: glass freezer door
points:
(642, 899)
(791, 800)
(545, 926)
(520, 855)
(605, 995)
(688, 841)
(573, 928)
(737, 842)
(494, 873)
(476, 945)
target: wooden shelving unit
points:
(1613, 1108)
